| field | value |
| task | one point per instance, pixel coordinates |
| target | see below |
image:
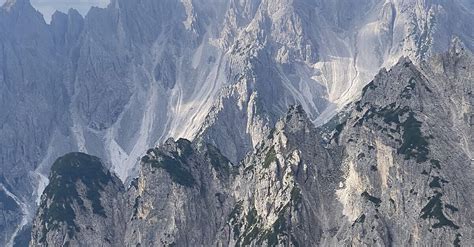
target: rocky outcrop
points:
(82, 205)
(286, 193)
(408, 172)
(392, 170)
(181, 197)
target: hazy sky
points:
(47, 7)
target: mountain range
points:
(266, 122)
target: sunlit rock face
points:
(392, 169)
(127, 77)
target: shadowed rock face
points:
(393, 169)
(82, 205)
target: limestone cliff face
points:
(181, 197)
(286, 192)
(407, 165)
(392, 169)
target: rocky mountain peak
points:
(296, 117)
(399, 123)
(293, 131)
(80, 187)
(389, 171)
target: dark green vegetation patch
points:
(135, 206)
(360, 219)
(270, 157)
(185, 148)
(434, 210)
(175, 168)
(218, 161)
(414, 144)
(234, 217)
(435, 183)
(251, 231)
(457, 240)
(435, 163)
(62, 193)
(451, 207)
(248, 228)
(296, 196)
(279, 227)
(406, 93)
(390, 114)
(276, 235)
(372, 199)
(338, 131)
(370, 86)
